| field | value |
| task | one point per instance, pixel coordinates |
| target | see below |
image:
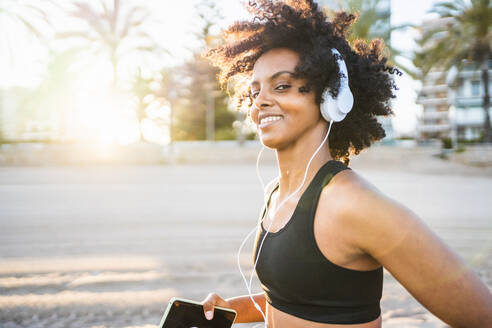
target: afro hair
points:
(301, 26)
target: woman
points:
(325, 233)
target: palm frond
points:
(107, 12)
(466, 37)
(131, 22)
(113, 30)
(28, 25)
(40, 12)
(76, 34)
(85, 13)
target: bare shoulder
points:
(347, 191)
(340, 195)
(349, 182)
(365, 213)
(335, 236)
(399, 240)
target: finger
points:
(208, 305)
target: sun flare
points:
(106, 116)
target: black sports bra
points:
(298, 279)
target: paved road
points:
(108, 246)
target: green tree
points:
(373, 23)
(465, 40)
(115, 32)
(202, 108)
(205, 107)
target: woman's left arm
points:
(418, 259)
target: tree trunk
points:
(487, 136)
(171, 121)
(114, 63)
(140, 118)
(114, 19)
(141, 138)
(210, 113)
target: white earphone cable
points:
(259, 225)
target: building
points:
(433, 123)
(451, 101)
(434, 120)
(466, 99)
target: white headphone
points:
(333, 110)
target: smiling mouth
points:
(269, 120)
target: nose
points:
(263, 100)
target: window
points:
(475, 88)
(460, 91)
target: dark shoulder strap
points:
(331, 168)
(321, 179)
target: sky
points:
(172, 25)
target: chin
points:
(273, 143)
(269, 145)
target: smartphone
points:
(183, 313)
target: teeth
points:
(270, 119)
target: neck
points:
(293, 160)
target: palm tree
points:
(115, 32)
(27, 15)
(465, 40)
(373, 23)
(141, 89)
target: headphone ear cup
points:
(335, 109)
(329, 108)
(345, 100)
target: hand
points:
(212, 300)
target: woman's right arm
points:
(244, 307)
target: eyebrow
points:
(274, 76)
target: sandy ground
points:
(108, 246)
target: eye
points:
(282, 87)
(253, 94)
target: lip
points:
(262, 116)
